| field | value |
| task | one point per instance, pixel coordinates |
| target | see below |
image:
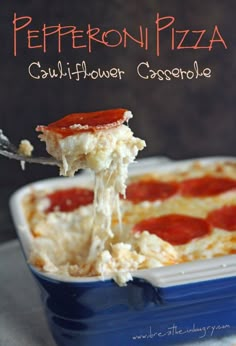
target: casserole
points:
(169, 305)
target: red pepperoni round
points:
(175, 228)
(69, 200)
(83, 122)
(150, 190)
(224, 218)
(206, 186)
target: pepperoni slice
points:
(224, 218)
(175, 228)
(206, 186)
(87, 122)
(150, 190)
(69, 200)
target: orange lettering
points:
(77, 34)
(47, 31)
(139, 41)
(219, 39)
(64, 30)
(33, 34)
(92, 33)
(107, 33)
(185, 33)
(202, 33)
(170, 20)
(26, 21)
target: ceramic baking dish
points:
(163, 306)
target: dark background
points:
(178, 118)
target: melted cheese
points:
(63, 240)
(107, 153)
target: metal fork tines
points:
(10, 151)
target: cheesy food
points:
(174, 216)
(99, 141)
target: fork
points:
(9, 150)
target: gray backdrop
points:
(177, 118)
